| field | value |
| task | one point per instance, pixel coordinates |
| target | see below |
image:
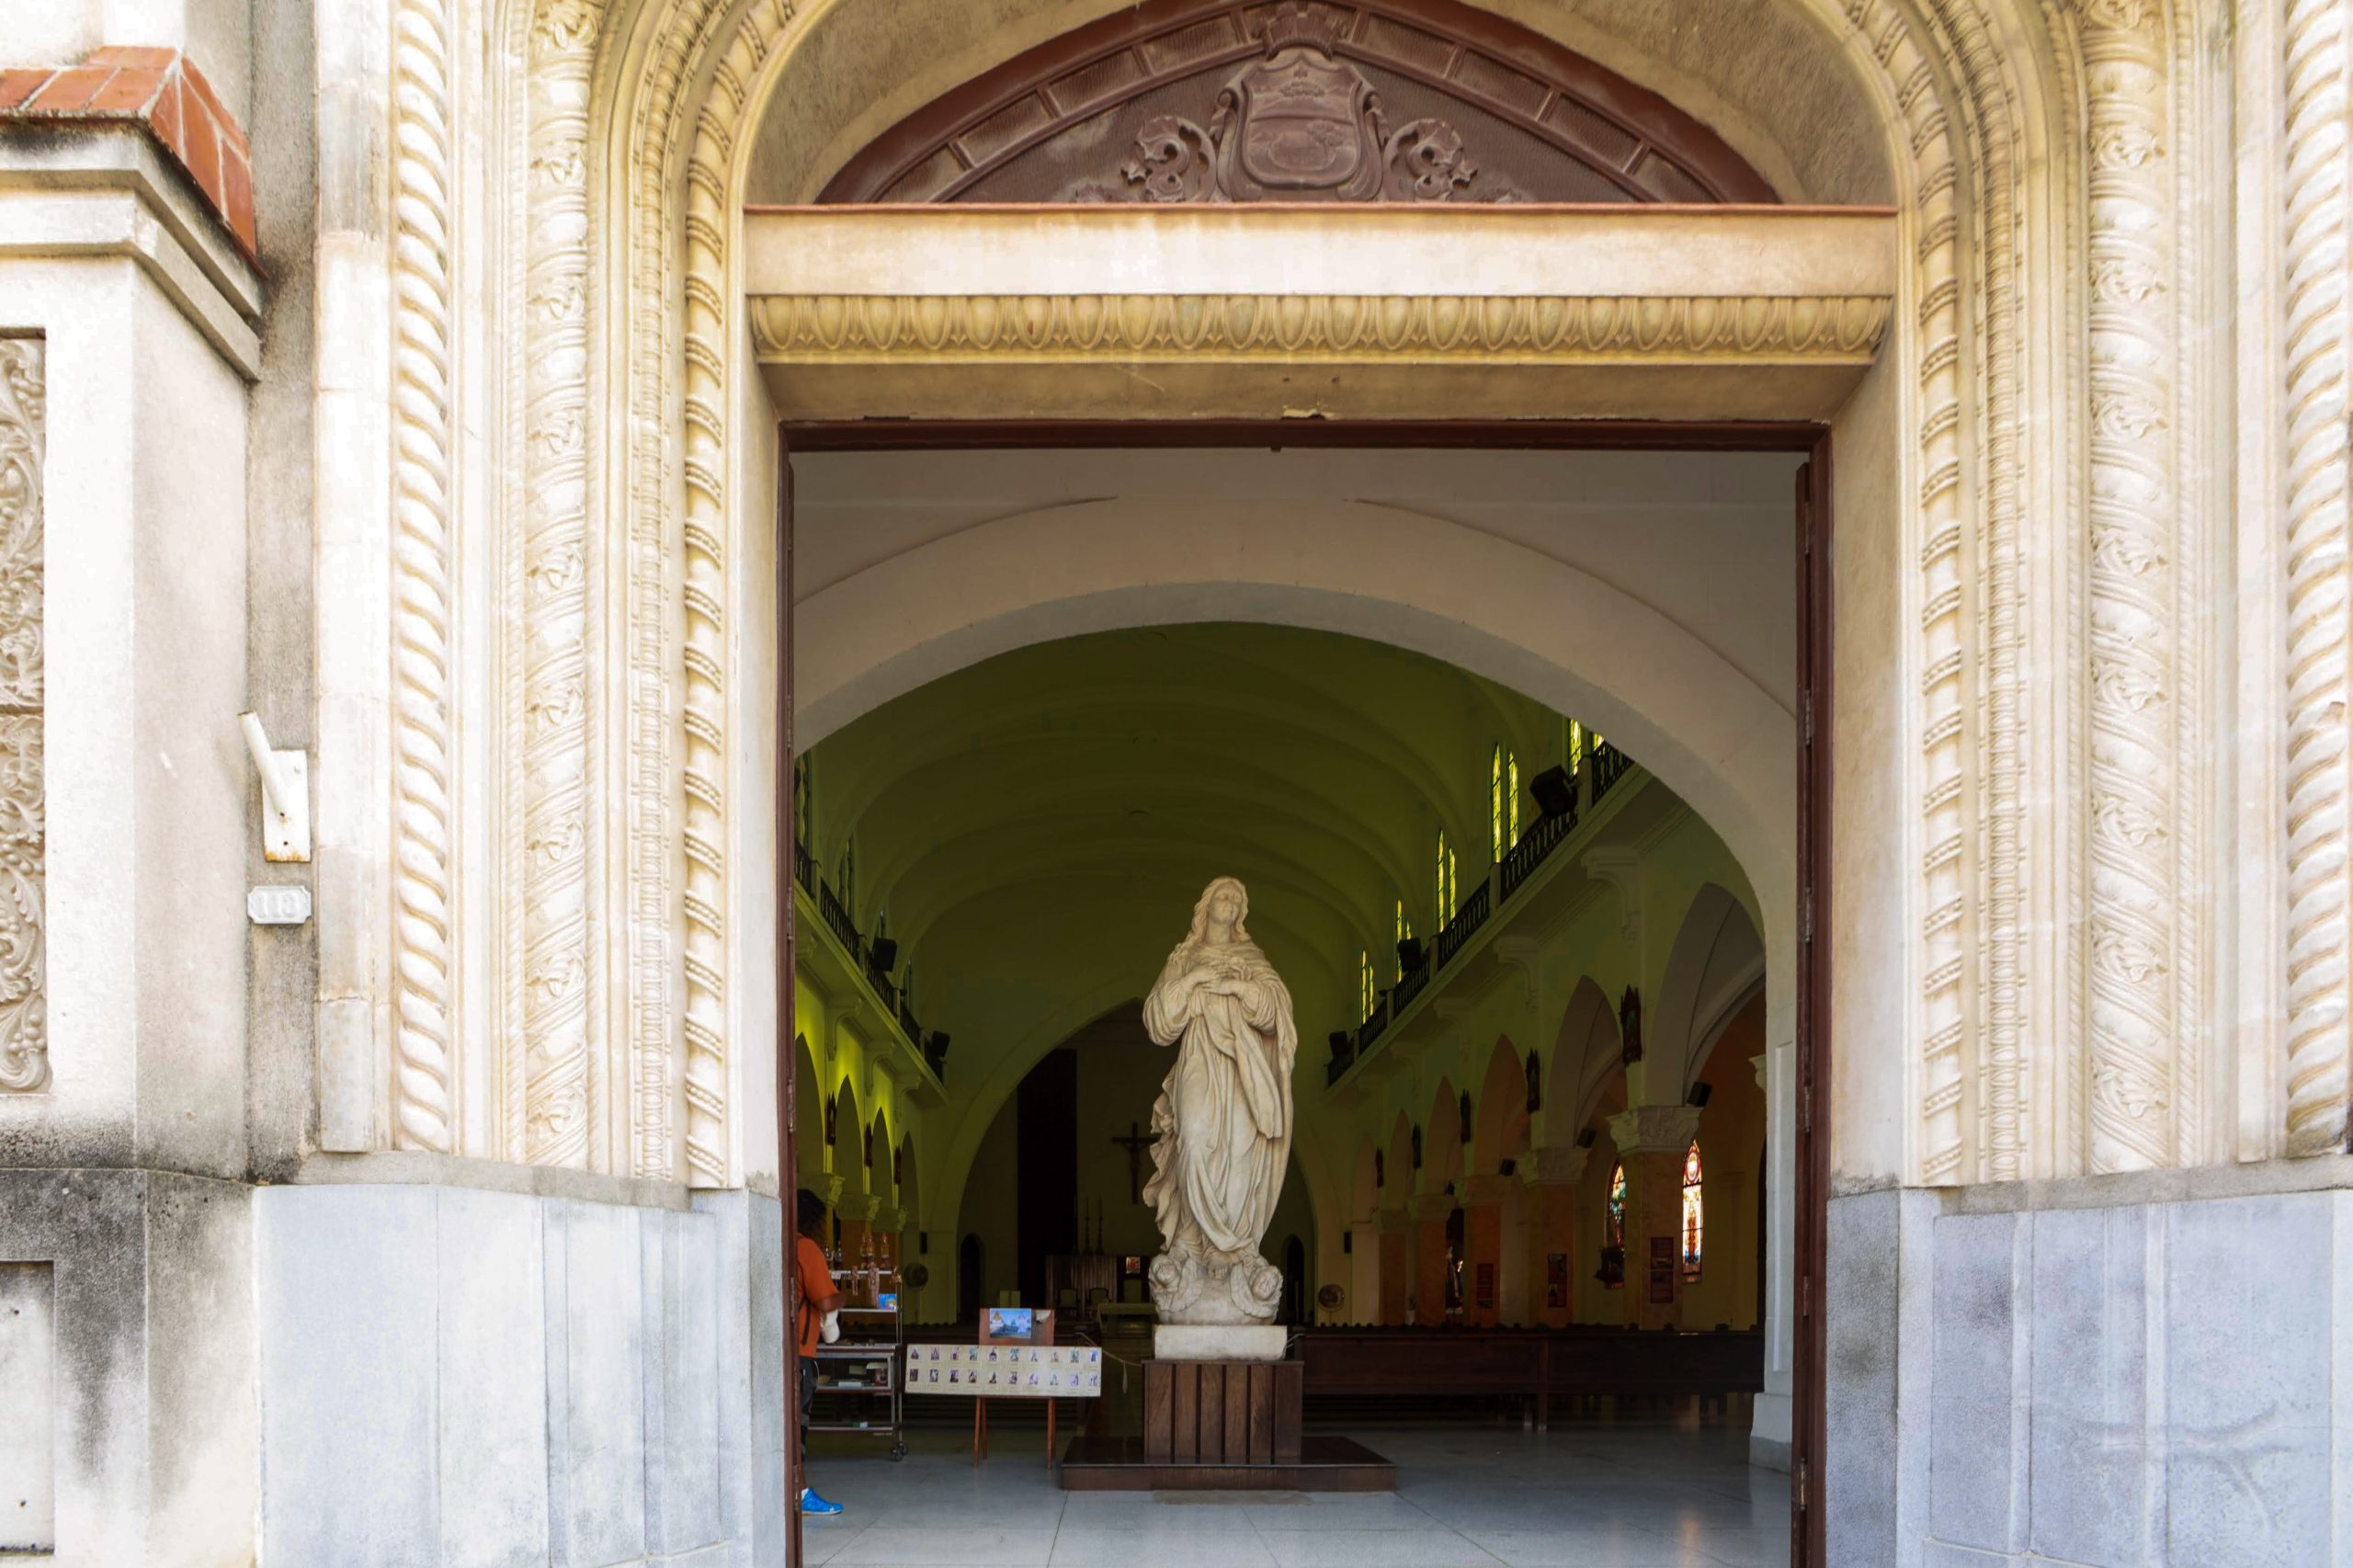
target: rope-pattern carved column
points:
(424, 1054)
(2135, 556)
(2319, 340)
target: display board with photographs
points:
(1008, 1371)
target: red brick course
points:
(161, 91)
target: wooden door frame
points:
(1811, 1131)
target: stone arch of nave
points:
(2031, 403)
(1394, 576)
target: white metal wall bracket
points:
(285, 794)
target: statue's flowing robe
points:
(1222, 1124)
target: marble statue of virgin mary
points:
(1221, 1127)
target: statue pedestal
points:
(1224, 1425)
(1218, 1342)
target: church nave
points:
(1529, 1166)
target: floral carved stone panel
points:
(24, 1024)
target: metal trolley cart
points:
(859, 1379)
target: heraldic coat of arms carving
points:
(1299, 124)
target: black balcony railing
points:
(896, 1004)
(804, 869)
(1602, 768)
(1543, 836)
(1471, 914)
(1336, 1069)
(1415, 981)
(830, 906)
(1609, 765)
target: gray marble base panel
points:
(487, 1379)
(2147, 1382)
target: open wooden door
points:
(1809, 1416)
(788, 1157)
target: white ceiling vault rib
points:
(1270, 311)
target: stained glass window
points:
(1694, 1215)
(1573, 745)
(1405, 929)
(1503, 799)
(1616, 1226)
(1445, 879)
(1364, 984)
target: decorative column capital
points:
(862, 1207)
(1484, 1191)
(1759, 1061)
(827, 1185)
(1655, 1129)
(1520, 954)
(1553, 1167)
(1426, 1205)
(1622, 868)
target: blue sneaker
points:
(812, 1504)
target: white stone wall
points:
(123, 1212)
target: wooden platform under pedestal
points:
(1223, 1426)
(1325, 1464)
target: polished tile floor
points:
(1608, 1493)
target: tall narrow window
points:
(1445, 879)
(1573, 745)
(1616, 1225)
(804, 794)
(1694, 1215)
(1405, 929)
(1365, 989)
(1503, 799)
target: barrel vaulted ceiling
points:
(1036, 827)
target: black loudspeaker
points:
(1409, 954)
(1555, 791)
(1585, 1139)
(884, 955)
(1338, 1040)
(1347, 1241)
(1699, 1095)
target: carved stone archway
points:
(2106, 924)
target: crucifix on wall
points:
(1135, 1143)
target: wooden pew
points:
(1538, 1363)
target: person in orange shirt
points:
(817, 1321)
